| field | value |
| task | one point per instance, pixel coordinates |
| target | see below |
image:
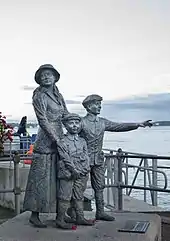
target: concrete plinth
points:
(19, 229)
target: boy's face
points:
(94, 107)
(73, 126)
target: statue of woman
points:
(50, 108)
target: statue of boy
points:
(93, 129)
(73, 173)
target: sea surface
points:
(155, 140)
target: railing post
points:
(127, 175)
(144, 178)
(10, 153)
(17, 189)
(154, 181)
(135, 177)
(119, 181)
(107, 164)
(115, 189)
(111, 175)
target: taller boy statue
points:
(93, 129)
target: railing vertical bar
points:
(144, 173)
(127, 175)
(119, 180)
(112, 178)
(154, 180)
(135, 177)
(111, 168)
(10, 154)
(17, 190)
(108, 177)
(115, 190)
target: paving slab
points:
(19, 229)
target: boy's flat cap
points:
(71, 116)
(91, 98)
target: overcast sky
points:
(114, 48)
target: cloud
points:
(28, 103)
(152, 101)
(27, 87)
(82, 96)
(70, 102)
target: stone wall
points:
(7, 182)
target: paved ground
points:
(18, 229)
(6, 214)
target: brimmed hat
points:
(43, 67)
(91, 98)
(70, 116)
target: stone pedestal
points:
(19, 229)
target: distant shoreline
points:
(162, 123)
(34, 125)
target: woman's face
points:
(47, 78)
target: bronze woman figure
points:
(49, 107)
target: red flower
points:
(5, 135)
(74, 227)
(93, 220)
(3, 121)
(5, 126)
(10, 138)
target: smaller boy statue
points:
(72, 173)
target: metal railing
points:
(20, 144)
(16, 159)
(117, 168)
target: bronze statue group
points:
(62, 163)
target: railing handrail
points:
(151, 169)
(125, 154)
(128, 152)
(139, 156)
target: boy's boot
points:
(80, 220)
(100, 214)
(60, 220)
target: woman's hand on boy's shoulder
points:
(62, 145)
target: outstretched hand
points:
(146, 123)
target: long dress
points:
(40, 195)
